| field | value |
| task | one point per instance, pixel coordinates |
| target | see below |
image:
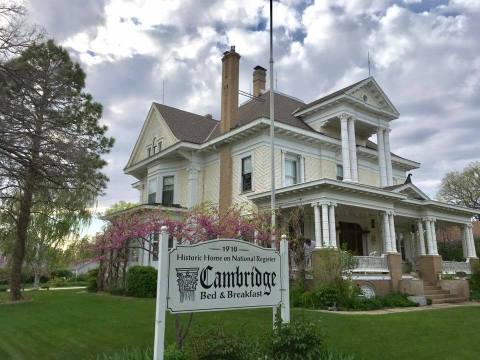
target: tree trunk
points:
(21, 240)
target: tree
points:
(50, 141)
(119, 206)
(462, 188)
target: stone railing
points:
(453, 267)
(370, 264)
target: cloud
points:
(425, 54)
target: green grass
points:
(77, 325)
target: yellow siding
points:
(155, 127)
(211, 182)
(182, 186)
(368, 177)
(328, 169)
(313, 170)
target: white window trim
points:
(175, 187)
(243, 156)
(286, 155)
(152, 179)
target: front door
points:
(351, 238)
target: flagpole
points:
(272, 129)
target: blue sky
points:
(425, 55)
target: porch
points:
(392, 235)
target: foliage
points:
(215, 344)
(170, 353)
(51, 145)
(119, 291)
(57, 282)
(474, 282)
(297, 340)
(92, 280)
(345, 296)
(63, 273)
(451, 250)
(119, 206)
(141, 281)
(462, 188)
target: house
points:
(356, 192)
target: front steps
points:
(440, 296)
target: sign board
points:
(221, 275)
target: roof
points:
(260, 108)
(187, 126)
(332, 95)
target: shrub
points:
(296, 297)
(475, 283)
(92, 280)
(142, 281)
(62, 273)
(116, 291)
(297, 340)
(3, 288)
(322, 297)
(214, 344)
(451, 250)
(57, 282)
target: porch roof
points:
(392, 196)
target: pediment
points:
(154, 136)
(411, 191)
(370, 93)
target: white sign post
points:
(223, 274)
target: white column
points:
(325, 230)
(302, 169)
(387, 247)
(381, 157)
(331, 219)
(352, 146)
(318, 226)
(421, 238)
(347, 175)
(393, 237)
(388, 157)
(471, 242)
(429, 237)
(434, 237)
(465, 240)
(192, 187)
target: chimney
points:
(228, 120)
(259, 80)
(230, 75)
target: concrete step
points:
(448, 300)
(440, 296)
(431, 287)
(436, 292)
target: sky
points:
(424, 54)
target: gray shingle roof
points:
(185, 125)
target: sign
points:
(221, 275)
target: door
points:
(351, 238)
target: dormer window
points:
(154, 145)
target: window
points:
(291, 170)
(339, 172)
(149, 151)
(167, 190)
(152, 191)
(159, 145)
(247, 174)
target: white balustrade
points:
(370, 264)
(453, 267)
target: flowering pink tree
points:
(136, 231)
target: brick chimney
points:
(228, 120)
(230, 78)
(259, 80)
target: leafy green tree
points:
(119, 206)
(51, 142)
(462, 187)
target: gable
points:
(411, 191)
(370, 93)
(154, 130)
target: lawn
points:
(77, 325)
